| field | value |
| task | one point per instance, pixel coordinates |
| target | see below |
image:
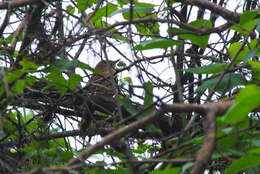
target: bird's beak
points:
(116, 61)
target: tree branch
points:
(220, 108)
(225, 13)
(19, 3)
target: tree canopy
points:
(186, 95)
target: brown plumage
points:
(102, 83)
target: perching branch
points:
(213, 109)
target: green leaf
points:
(83, 4)
(121, 64)
(201, 41)
(258, 26)
(118, 36)
(127, 103)
(148, 28)
(242, 164)
(201, 23)
(18, 87)
(152, 129)
(65, 156)
(30, 80)
(112, 171)
(255, 66)
(247, 16)
(156, 43)
(251, 54)
(13, 75)
(234, 48)
(186, 167)
(65, 65)
(255, 151)
(227, 142)
(208, 69)
(58, 81)
(140, 10)
(128, 80)
(228, 82)
(104, 12)
(254, 142)
(74, 81)
(28, 65)
(247, 23)
(247, 99)
(244, 30)
(7, 40)
(167, 171)
(83, 65)
(70, 9)
(148, 96)
(135, 9)
(148, 100)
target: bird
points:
(101, 82)
(103, 79)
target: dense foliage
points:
(187, 94)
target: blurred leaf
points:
(228, 82)
(65, 156)
(13, 75)
(254, 142)
(71, 10)
(127, 103)
(104, 12)
(58, 81)
(254, 170)
(140, 10)
(74, 80)
(148, 96)
(246, 100)
(119, 170)
(186, 167)
(65, 65)
(148, 28)
(208, 69)
(234, 48)
(167, 171)
(247, 16)
(258, 26)
(246, 23)
(243, 163)
(128, 80)
(118, 36)
(255, 151)
(153, 129)
(121, 64)
(6, 40)
(30, 80)
(245, 29)
(156, 43)
(226, 143)
(144, 28)
(255, 65)
(251, 54)
(83, 4)
(201, 41)
(83, 65)
(135, 9)
(28, 65)
(18, 87)
(148, 102)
